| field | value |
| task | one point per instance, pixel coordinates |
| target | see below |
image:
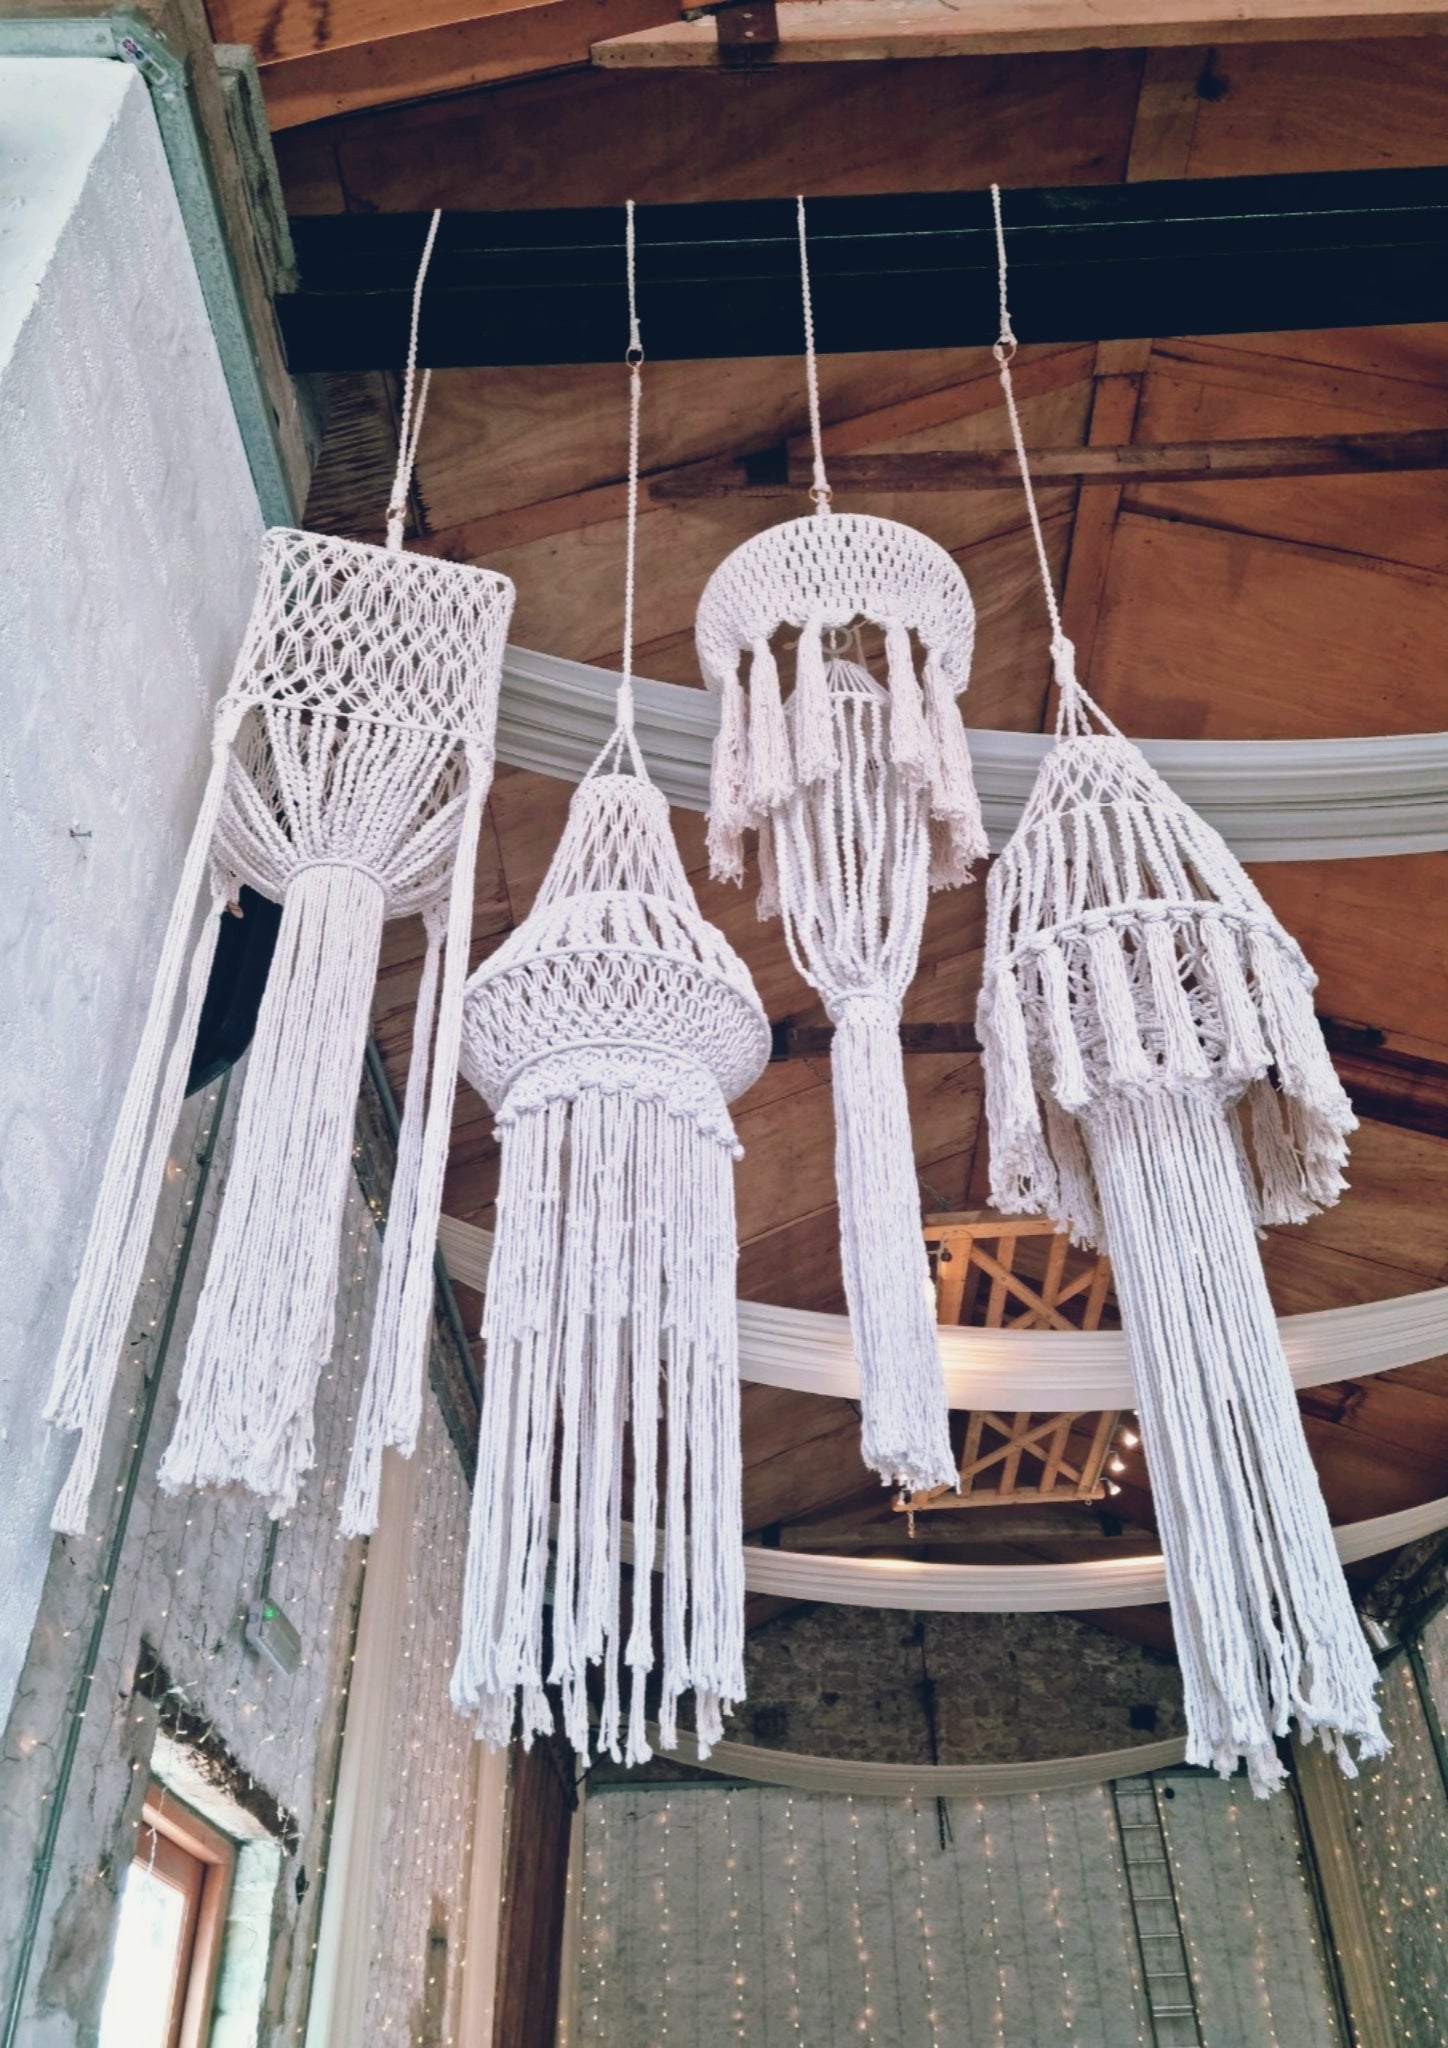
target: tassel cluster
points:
(1157, 1083)
(862, 796)
(610, 1031)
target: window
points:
(168, 1933)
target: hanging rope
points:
(410, 430)
(820, 489)
(1074, 702)
(634, 357)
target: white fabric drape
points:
(849, 1776)
(1043, 1370)
(1270, 799)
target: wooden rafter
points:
(974, 1260)
(849, 31)
(784, 472)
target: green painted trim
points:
(128, 39)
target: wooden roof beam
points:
(852, 31)
(785, 472)
(889, 272)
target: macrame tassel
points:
(958, 837)
(1126, 1062)
(86, 1374)
(1023, 1176)
(1069, 1085)
(1244, 1056)
(729, 783)
(1265, 1627)
(613, 1263)
(771, 776)
(1182, 1059)
(910, 750)
(1281, 1196)
(811, 725)
(414, 1323)
(1071, 1199)
(887, 1277)
(388, 1406)
(120, 1230)
(263, 1327)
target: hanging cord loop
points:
(622, 740)
(1075, 705)
(820, 489)
(410, 429)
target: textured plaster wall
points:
(127, 556)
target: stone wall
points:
(860, 1682)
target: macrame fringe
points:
(389, 1413)
(1265, 1627)
(613, 1266)
(905, 1435)
(120, 1230)
(264, 1321)
(1157, 1084)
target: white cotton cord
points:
(410, 428)
(120, 1231)
(609, 1031)
(1074, 702)
(1137, 993)
(390, 1411)
(820, 489)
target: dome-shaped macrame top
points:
(1129, 953)
(614, 964)
(825, 573)
(369, 632)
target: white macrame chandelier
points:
(1156, 1082)
(609, 1032)
(352, 757)
(862, 796)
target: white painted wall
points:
(127, 556)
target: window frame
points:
(200, 1861)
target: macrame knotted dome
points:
(352, 756)
(1157, 1083)
(863, 798)
(609, 1032)
(1128, 952)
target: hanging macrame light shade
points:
(609, 1032)
(352, 757)
(1156, 1082)
(863, 799)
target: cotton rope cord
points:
(410, 428)
(820, 490)
(1271, 800)
(609, 1032)
(1050, 1371)
(862, 797)
(352, 756)
(1157, 1084)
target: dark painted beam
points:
(905, 271)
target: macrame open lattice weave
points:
(609, 1031)
(351, 760)
(1157, 1083)
(862, 795)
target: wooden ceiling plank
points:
(1167, 108)
(849, 31)
(475, 49)
(281, 29)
